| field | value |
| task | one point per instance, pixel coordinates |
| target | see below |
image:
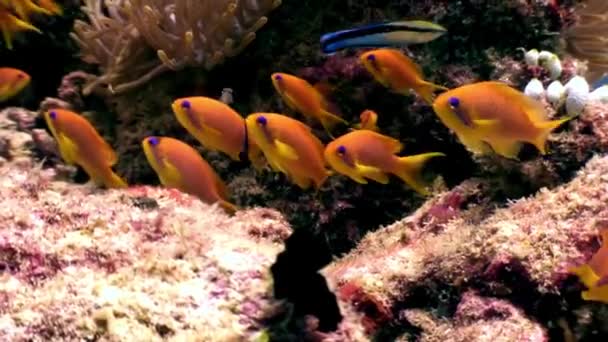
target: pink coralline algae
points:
(77, 262)
(522, 252)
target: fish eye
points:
(53, 114)
(278, 77)
(153, 141)
(185, 104)
(262, 120)
(371, 57)
(454, 102)
(341, 150)
(20, 76)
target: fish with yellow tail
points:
(290, 148)
(492, 116)
(394, 70)
(369, 120)
(594, 274)
(80, 144)
(217, 127)
(364, 154)
(307, 99)
(180, 166)
(12, 82)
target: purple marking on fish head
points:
(153, 141)
(53, 114)
(262, 122)
(186, 104)
(456, 107)
(341, 151)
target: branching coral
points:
(123, 36)
(587, 38)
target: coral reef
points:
(134, 41)
(148, 262)
(521, 253)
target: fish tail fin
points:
(427, 90)
(329, 120)
(540, 141)
(230, 208)
(114, 181)
(409, 169)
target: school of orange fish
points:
(486, 117)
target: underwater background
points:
(281, 170)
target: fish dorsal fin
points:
(405, 59)
(324, 88)
(533, 108)
(392, 144)
(285, 150)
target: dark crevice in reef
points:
(296, 280)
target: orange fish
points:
(366, 154)
(594, 274)
(302, 97)
(217, 127)
(396, 71)
(494, 114)
(180, 166)
(290, 148)
(80, 144)
(369, 120)
(12, 82)
(14, 18)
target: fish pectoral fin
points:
(285, 150)
(211, 131)
(67, 148)
(486, 123)
(371, 173)
(170, 175)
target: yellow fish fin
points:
(427, 90)
(67, 148)
(507, 149)
(545, 128)
(586, 275)
(371, 172)
(170, 176)
(212, 131)
(329, 120)
(112, 180)
(228, 207)
(474, 144)
(289, 101)
(596, 293)
(409, 169)
(357, 178)
(486, 123)
(285, 151)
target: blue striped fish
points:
(390, 34)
